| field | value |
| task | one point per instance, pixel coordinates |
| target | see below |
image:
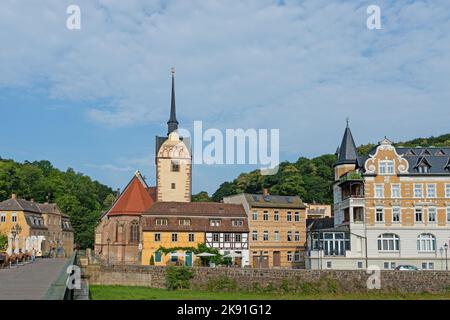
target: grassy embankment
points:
(140, 293)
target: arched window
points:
(134, 232)
(388, 242)
(426, 242)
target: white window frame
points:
(399, 214)
(13, 217)
(386, 167)
(289, 235)
(399, 190)
(266, 236)
(433, 195)
(388, 242)
(289, 216)
(379, 187)
(290, 256)
(426, 242)
(255, 215)
(447, 190)
(255, 235)
(3, 217)
(276, 216)
(376, 215)
(435, 214)
(297, 236)
(297, 216)
(276, 236)
(448, 214)
(266, 216)
(415, 214)
(416, 185)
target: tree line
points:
(77, 195)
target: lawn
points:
(140, 293)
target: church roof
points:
(135, 199)
(347, 153)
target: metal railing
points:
(59, 290)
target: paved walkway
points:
(31, 281)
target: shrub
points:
(285, 285)
(3, 242)
(178, 278)
(222, 283)
(152, 260)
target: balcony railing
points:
(351, 176)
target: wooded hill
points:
(311, 179)
(76, 194)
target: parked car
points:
(405, 267)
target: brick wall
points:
(299, 280)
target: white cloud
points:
(301, 67)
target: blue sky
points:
(94, 99)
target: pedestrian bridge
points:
(43, 279)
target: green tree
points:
(202, 196)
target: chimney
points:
(265, 192)
(14, 196)
(32, 200)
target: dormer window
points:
(386, 167)
(425, 153)
(238, 223)
(422, 166)
(410, 153)
(161, 222)
(214, 223)
(184, 222)
(440, 153)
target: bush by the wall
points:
(178, 278)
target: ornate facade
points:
(391, 207)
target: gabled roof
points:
(20, 205)
(347, 151)
(205, 209)
(422, 160)
(134, 200)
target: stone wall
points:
(292, 280)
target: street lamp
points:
(446, 256)
(109, 240)
(441, 250)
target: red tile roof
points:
(134, 200)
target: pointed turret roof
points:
(347, 151)
(172, 123)
(134, 200)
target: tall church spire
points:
(347, 151)
(172, 123)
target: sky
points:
(93, 99)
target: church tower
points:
(173, 161)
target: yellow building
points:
(277, 229)
(31, 225)
(181, 225)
